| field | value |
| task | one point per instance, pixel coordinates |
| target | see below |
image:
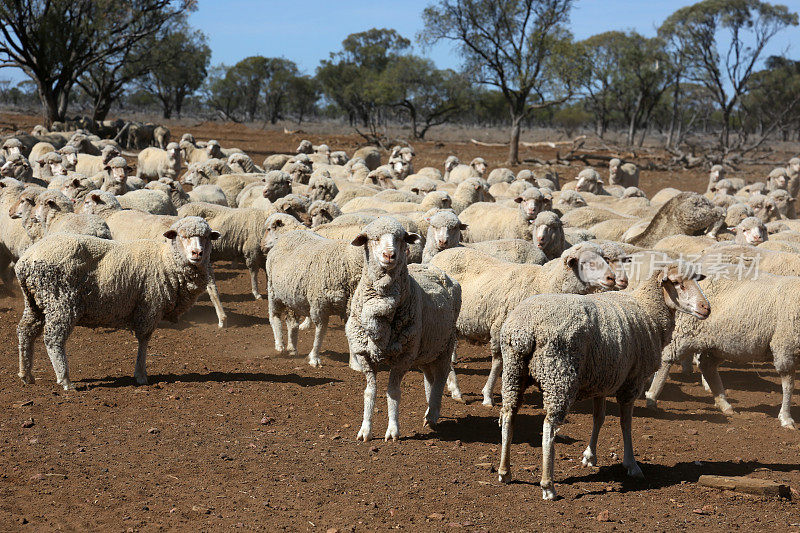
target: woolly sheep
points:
(488, 222)
(753, 320)
(624, 174)
(764, 207)
(612, 346)
(687, 213)
(370, 155)
(511, 250)
(401, 315)
(155, 163)
(444, 231)
(242, 164)
(76, 280)
(459, 173)
(784, 202)
(322, 188)
(491, 288)
(17, 167)
(54, 212)
(14, 240)
(322, 212)
(308, 275)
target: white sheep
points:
(459, 173)
(575, 347)
(624, 174)
(155, 163)
(403, 316)
(488, 221)
(77, 280)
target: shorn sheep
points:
(76, 280)
(575, 347)
(403, 316)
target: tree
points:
(350, 77)
(430, 97)
(303, 96)
(514, 45)
(725, 64)
(773, 102)
(56, 41)
(276, 91)
(179, 64)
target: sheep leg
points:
(507, 416)
(549, 430)
(275, 311)
(625, 422)
(291, 334)
(393, 403)
(709, 366)
(306, 323)
(55, 340)
(365, 433)
(494, 374)
(29, 328)
(514, 381)
(321, 326)
(659, 379)
(435, 389)
(140, 370)
(253, 268)
(452, 378)
(785, 415)
(213, 293)
(599, 416)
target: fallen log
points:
(749, 485)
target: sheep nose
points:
(388, 255)
(610, 279)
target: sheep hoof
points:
(141, 379)
(429, 424)
(634, 470)
(392, 434)
(589, 459)
(364, 434)
(549, 492)
(488, 402)
(292, 352)
(306, 323)
(257, 296)
(314, 361)
(787, 422)
(27, 379)
(68, 385)
(458, 398)
(504, 477)
(280, 349)
(652, 403)
(222, 322)
(725, 407)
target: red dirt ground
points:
(230, 435)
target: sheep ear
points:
(463, 226)
(415, 190)
(571, 261)
(214, 235)
(76, 182)
(518, 199)
(626, 259)
(95, 198)
(411, 238)
(360, 240)
(170, 234)
(52, 203)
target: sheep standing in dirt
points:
(624, 174)
(753, 320)
(576, 347)
(76, 280)
(401, 316)
(492, 288)
(155, 163)
(307, 275)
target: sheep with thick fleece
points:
(206, 172)
(14, 240)
(784, 202)
(90, 165)
(489, 221)
(54, 212)
(492, 288)
(444, 231)
(754, 319)
(575, 347)
(459, 172)
(149, 201)
(154, 163)
(308, 275)
(589, 180)
(242, 164)
(241, 232)
(322, 187)
(131, 225)
(511, 250)
(77, 280)
(371, 156)
(687, 213)
(178, 197)
(402, 316)
(322, 212)
(624, 174)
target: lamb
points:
(459, 173)
(755, 319)
(155, 163)
(488, 222)
(402, 316)
(308, 275)
(611, 346)
(687, 213)
(131, 225)
(626, 175)
(77, 280)
(492, 288)
(444, 231)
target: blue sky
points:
(306, 31)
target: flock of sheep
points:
(582, 288)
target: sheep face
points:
(531, 203)
(57, 168)
(450, 163)
(444, 230)
(46, 206)
(783, 201)
(12, 148)
(109, 153)
(548, 232)
(717, 173)
(400, 168)
(589, 183)
(275, 226)
(722, 187)
(72, 188)
(191, 239)
(751, 231)
(764, 208)
(386, 242)
(23, 206)
(213, 150)
(305, 147)
(573, 200)
(70, 160)
(794, 166)
(590, 267)
(682, 293)
(613, 169)
(479, 165)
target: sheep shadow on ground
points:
(485, 430)
(200, 315)
(660, 476)
(211, 377)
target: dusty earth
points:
(231, 435)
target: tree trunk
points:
(633, 122)
(674, 119)
(513, 145)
